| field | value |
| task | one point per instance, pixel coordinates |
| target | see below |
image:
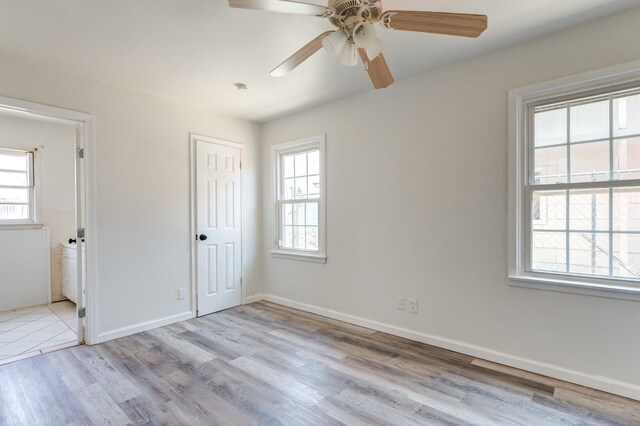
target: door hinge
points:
(80, 152)
(241, 165)
(80, 233)
(82, 312)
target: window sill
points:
(613, 289)
(20, 226)
(306, 257)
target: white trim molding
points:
(307, 257)
(143, 326)
(520, 103)
(564, 284)
(604, 384)
(253, 299)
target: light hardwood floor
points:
(267, 364)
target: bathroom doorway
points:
(43, 249)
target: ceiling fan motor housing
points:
(367, 10)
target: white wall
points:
(143, 208)
(55, 176)
(24, 267)
(417, 207)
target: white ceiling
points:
(194, 50)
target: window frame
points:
(521, 105)
(277, 152)
(31, 155)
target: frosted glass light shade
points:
(364, 34)
(375, 48)
(349, 57)
(335, 43)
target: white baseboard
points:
(253, 299)
(605, 384)
(143, 326)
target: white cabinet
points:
(70, 271)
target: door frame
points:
(86, 212)
(193, 138)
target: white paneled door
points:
(218, 226)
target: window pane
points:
(17, 161)
(314, 163)
(626, 116)
(289, 190)
(590, 121)
(301, 188)
(299, 237)
(287, 237)
(312, 214)
(549, 210)
(551, 165)
(626, 209)
(312, 238)
(626, 159)
(602, 236)
(551, 127)
(14, 212)
(14, 179)
(301, 164)
(549, 251)
(590, 162)
(287, 214)
(626, 252)
(299, 214)
(589, 253)
(589, 209)
(314, 186)
(14, 195)
(300, 180)
(288, 166)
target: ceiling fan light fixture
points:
(335, 43)
(375, 48)
(349, 55)
(364, 34)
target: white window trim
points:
(31, 222)
(290, 147)
(520, 101)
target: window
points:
(575, 184)
(299, 195)
(16, 187)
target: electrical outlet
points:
(182, 293)
(401, 303)
(413, 305)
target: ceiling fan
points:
(356, 34)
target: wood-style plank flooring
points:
(267, 364)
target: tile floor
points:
(38, 329)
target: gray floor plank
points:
(266, 364)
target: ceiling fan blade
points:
(378, 70)
(284, 6)
(456, 24)
(300, 56)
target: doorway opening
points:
(43, 231)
